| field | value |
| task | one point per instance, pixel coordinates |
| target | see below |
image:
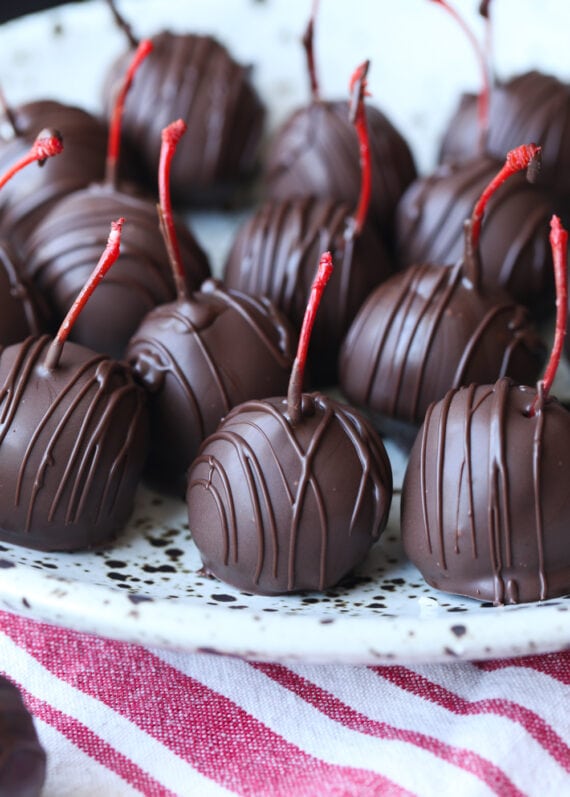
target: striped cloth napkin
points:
(118, 719)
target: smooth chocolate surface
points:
(515, 253)
(193, 78)
(22, 758)
(199, 358)
(277, 508)
(316, 153)
(73, 441)
(485, 503)
(67, 244)
(427, 330)
(276, 254)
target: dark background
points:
(9, 9)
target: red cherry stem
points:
(357, 114)
(47, 144)
(308, 44)
(483, 98)
(294, 393)
(123, 25)
(171, 135)
(114, 144)
(106, 260)
(526, 157)
(9, 113)
(559, 244)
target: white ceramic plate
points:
(148, 588)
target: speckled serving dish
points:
(148, 587)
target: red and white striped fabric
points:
(118, 719)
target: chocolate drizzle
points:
(22, 758)
(427, 330)
(269, 508)
(276, 253)
(72, 445)
(483, 510)
(200, 357)
(194, 78)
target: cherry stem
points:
(114, 144)
(47, 144)
(171, 135)
(526, 157)
(308, 44)
(484, 94)
(295, 391)
(106, 260)
(123, 25)
(9, 113)
(559, 245)
(357, 115)
(485, 12)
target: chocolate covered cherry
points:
(274, 254)
(289, 493)
(194, 78)
(73, 438)
(316, 153)
(433, 327)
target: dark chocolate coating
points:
(193, 78)
(22, 758)
(73, 442)
(199, 358)
(532, 107)
(67, 244)
(316, 153)
(34, 191)
(514, 247)
(427, 330)
(19, 312)
(276, 508)
(276, 254)
(485, 501)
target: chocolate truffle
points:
(194, 78)
(275, 251)
(289, 493)
(316, 153)
(515, 254)
(73, 437)
(485, 502)
(22, 758)
(431, 328)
